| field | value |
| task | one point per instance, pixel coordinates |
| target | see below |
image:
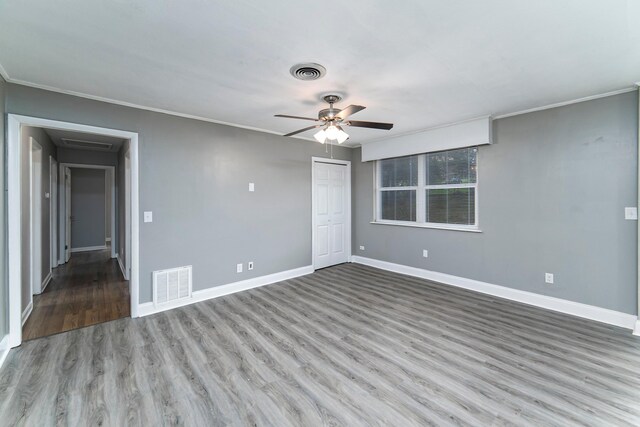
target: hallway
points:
(89, 289)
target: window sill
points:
(437, 227)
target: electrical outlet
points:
(252, 186)
(362, 248)
(250, 265)
(631, 213)
(425, 253)
(548, 278)
(239, 268)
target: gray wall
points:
(4, 277)
(48, 149)
(87, 207)
(87, 157)
(552, 192)
(194, 177)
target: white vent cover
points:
(93, 145)
(171, 285)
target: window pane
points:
(400, 172)
(398, 205)
(436, 206)
(451, 206)
(458, 166)
(452, 167)
(461, 206)
(436, 168)
(473, 163)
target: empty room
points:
(296, 213)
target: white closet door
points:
(330, 214)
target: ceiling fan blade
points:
(373, 125)
(351, 109)
(295, 117)
(303, 130)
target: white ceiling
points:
(57, 136)
(416, 63)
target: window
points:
(433, 189)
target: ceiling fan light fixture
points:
(321, 136)
(342, 136)
(332, 132)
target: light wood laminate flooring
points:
(348, 345)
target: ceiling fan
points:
(332, 119)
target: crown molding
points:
(562, 104)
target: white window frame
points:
(420, 190)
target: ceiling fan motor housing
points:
(328, 113)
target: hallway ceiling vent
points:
(171, 285)
(308, 71)
(92, 145)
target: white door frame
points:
(35, 220)
(347, 163)
(53, 211)
(14, 214)
(63, 206)
(127, 209)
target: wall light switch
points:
(425, 253)
(47, 195)
(631, 213)
(362, 248)
(250, 265)
(239, 268)
(148, 216)
(252, 187)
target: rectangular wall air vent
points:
(171, 285)
(92, 145)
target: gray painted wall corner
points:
(552, 192)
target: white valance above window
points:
(460, 135)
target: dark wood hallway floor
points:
(89, 289)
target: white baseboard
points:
(122, 267)
(4, 349)
(586, 311)
(636, 329)
(231, 288)
(27, 312)
(89, 248)
(46, 282)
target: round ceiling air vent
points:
(308, 71)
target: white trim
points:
(231, 288)
(26, 313)
(431, 225)
(616, 318)
(35, 238)
(122, 269)
(564, 103)
(4, 74)
(636, 328)
(46, 281)
(53, 215)
(348, 237)
(89, 248)
(14, 214)
(4, 349)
